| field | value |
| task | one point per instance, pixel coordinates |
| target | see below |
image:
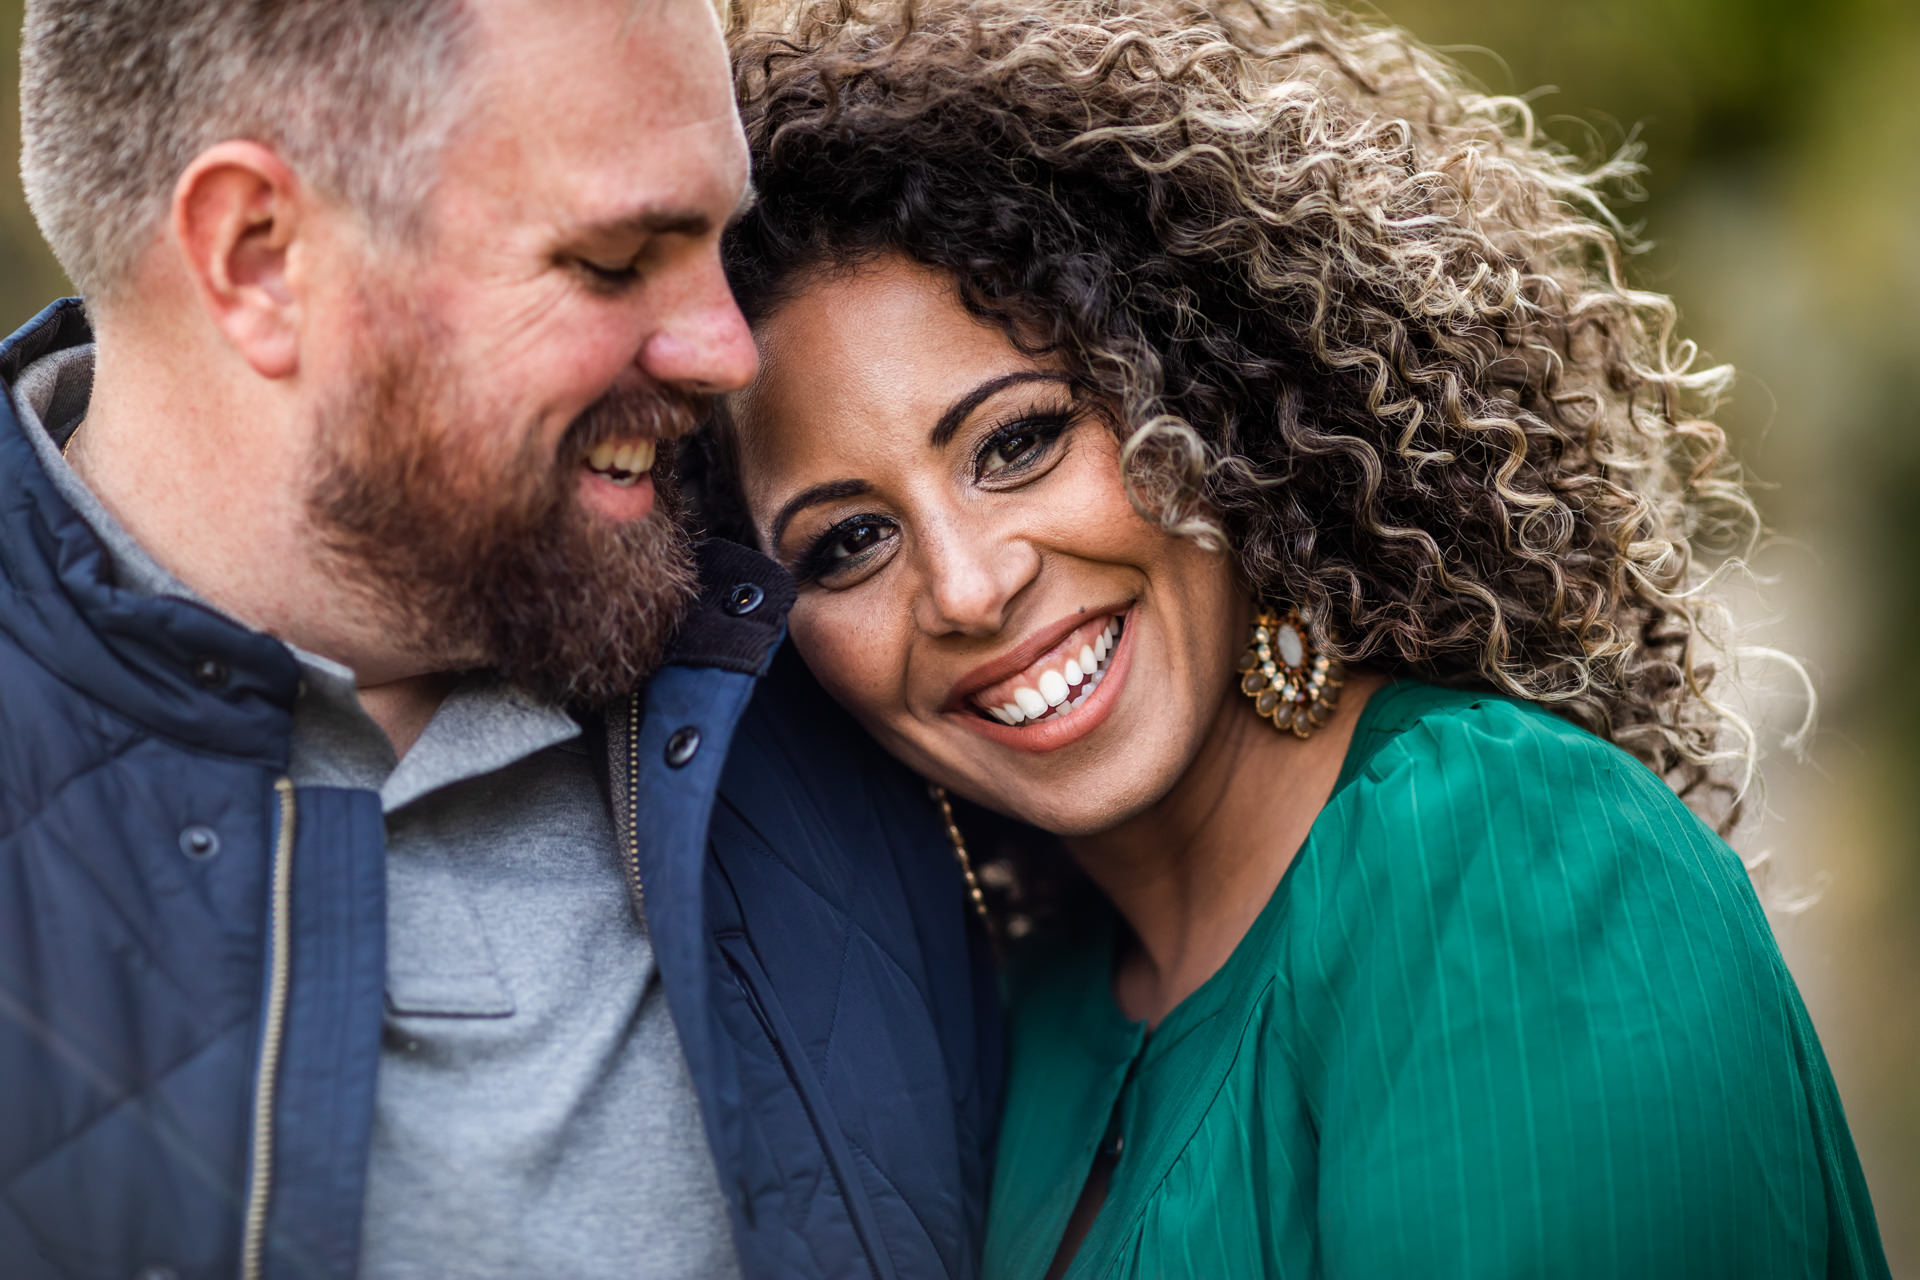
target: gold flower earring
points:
(1291, 683)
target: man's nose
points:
(973, 576)
(702, 344)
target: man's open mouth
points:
(624, 462)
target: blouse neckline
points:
(1109, 1034)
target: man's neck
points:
(403, 708)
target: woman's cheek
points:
(857, 663)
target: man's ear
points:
(237, 218)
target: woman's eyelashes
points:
(837, 556)
(1016, 447)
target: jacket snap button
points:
(199, 843)
(210, 673)
(682, 745)
(744, 599)
(156, 1273)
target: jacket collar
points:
(741, 616)
(177, 668)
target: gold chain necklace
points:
(959, 844)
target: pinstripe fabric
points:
(1513, 1011)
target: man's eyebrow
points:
(832, 491)
(957, 412)
(646, 222)
(664, 221)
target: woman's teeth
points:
(1058, 690)
(623, 461)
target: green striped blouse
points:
(1512, 1011)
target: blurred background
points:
(1783, 210)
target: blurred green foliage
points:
(1783, 211)
(28, 273)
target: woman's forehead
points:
(882, 350)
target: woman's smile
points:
(1055, 699)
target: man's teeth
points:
(623, 461)
(1058, 691)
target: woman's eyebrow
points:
(832, 491)
(957, 411)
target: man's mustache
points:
(653, 413)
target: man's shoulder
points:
(45, 735)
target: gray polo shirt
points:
(534, 1114)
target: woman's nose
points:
(972, 581)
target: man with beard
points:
(414, 860)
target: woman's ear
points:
(238, 213)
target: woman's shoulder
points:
(1497, 814)
(1451, 734)
(1496, 772)
(1514, 959)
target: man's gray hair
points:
(118, 96)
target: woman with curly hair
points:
(1220, 439)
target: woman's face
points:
(974, 584)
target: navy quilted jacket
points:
(189, 1028)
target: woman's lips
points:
(1050, 715)
(1058, 681)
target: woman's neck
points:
(1190, 874)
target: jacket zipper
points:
(628, 812)
(260, 1181)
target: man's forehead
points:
(570, 96)
(638, 9)
(664, 54)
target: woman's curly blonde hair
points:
(1351, 315)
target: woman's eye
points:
(1005, 450)
(1018, 445)
(855, 540)
(842, 551)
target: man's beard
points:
(477, 559)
